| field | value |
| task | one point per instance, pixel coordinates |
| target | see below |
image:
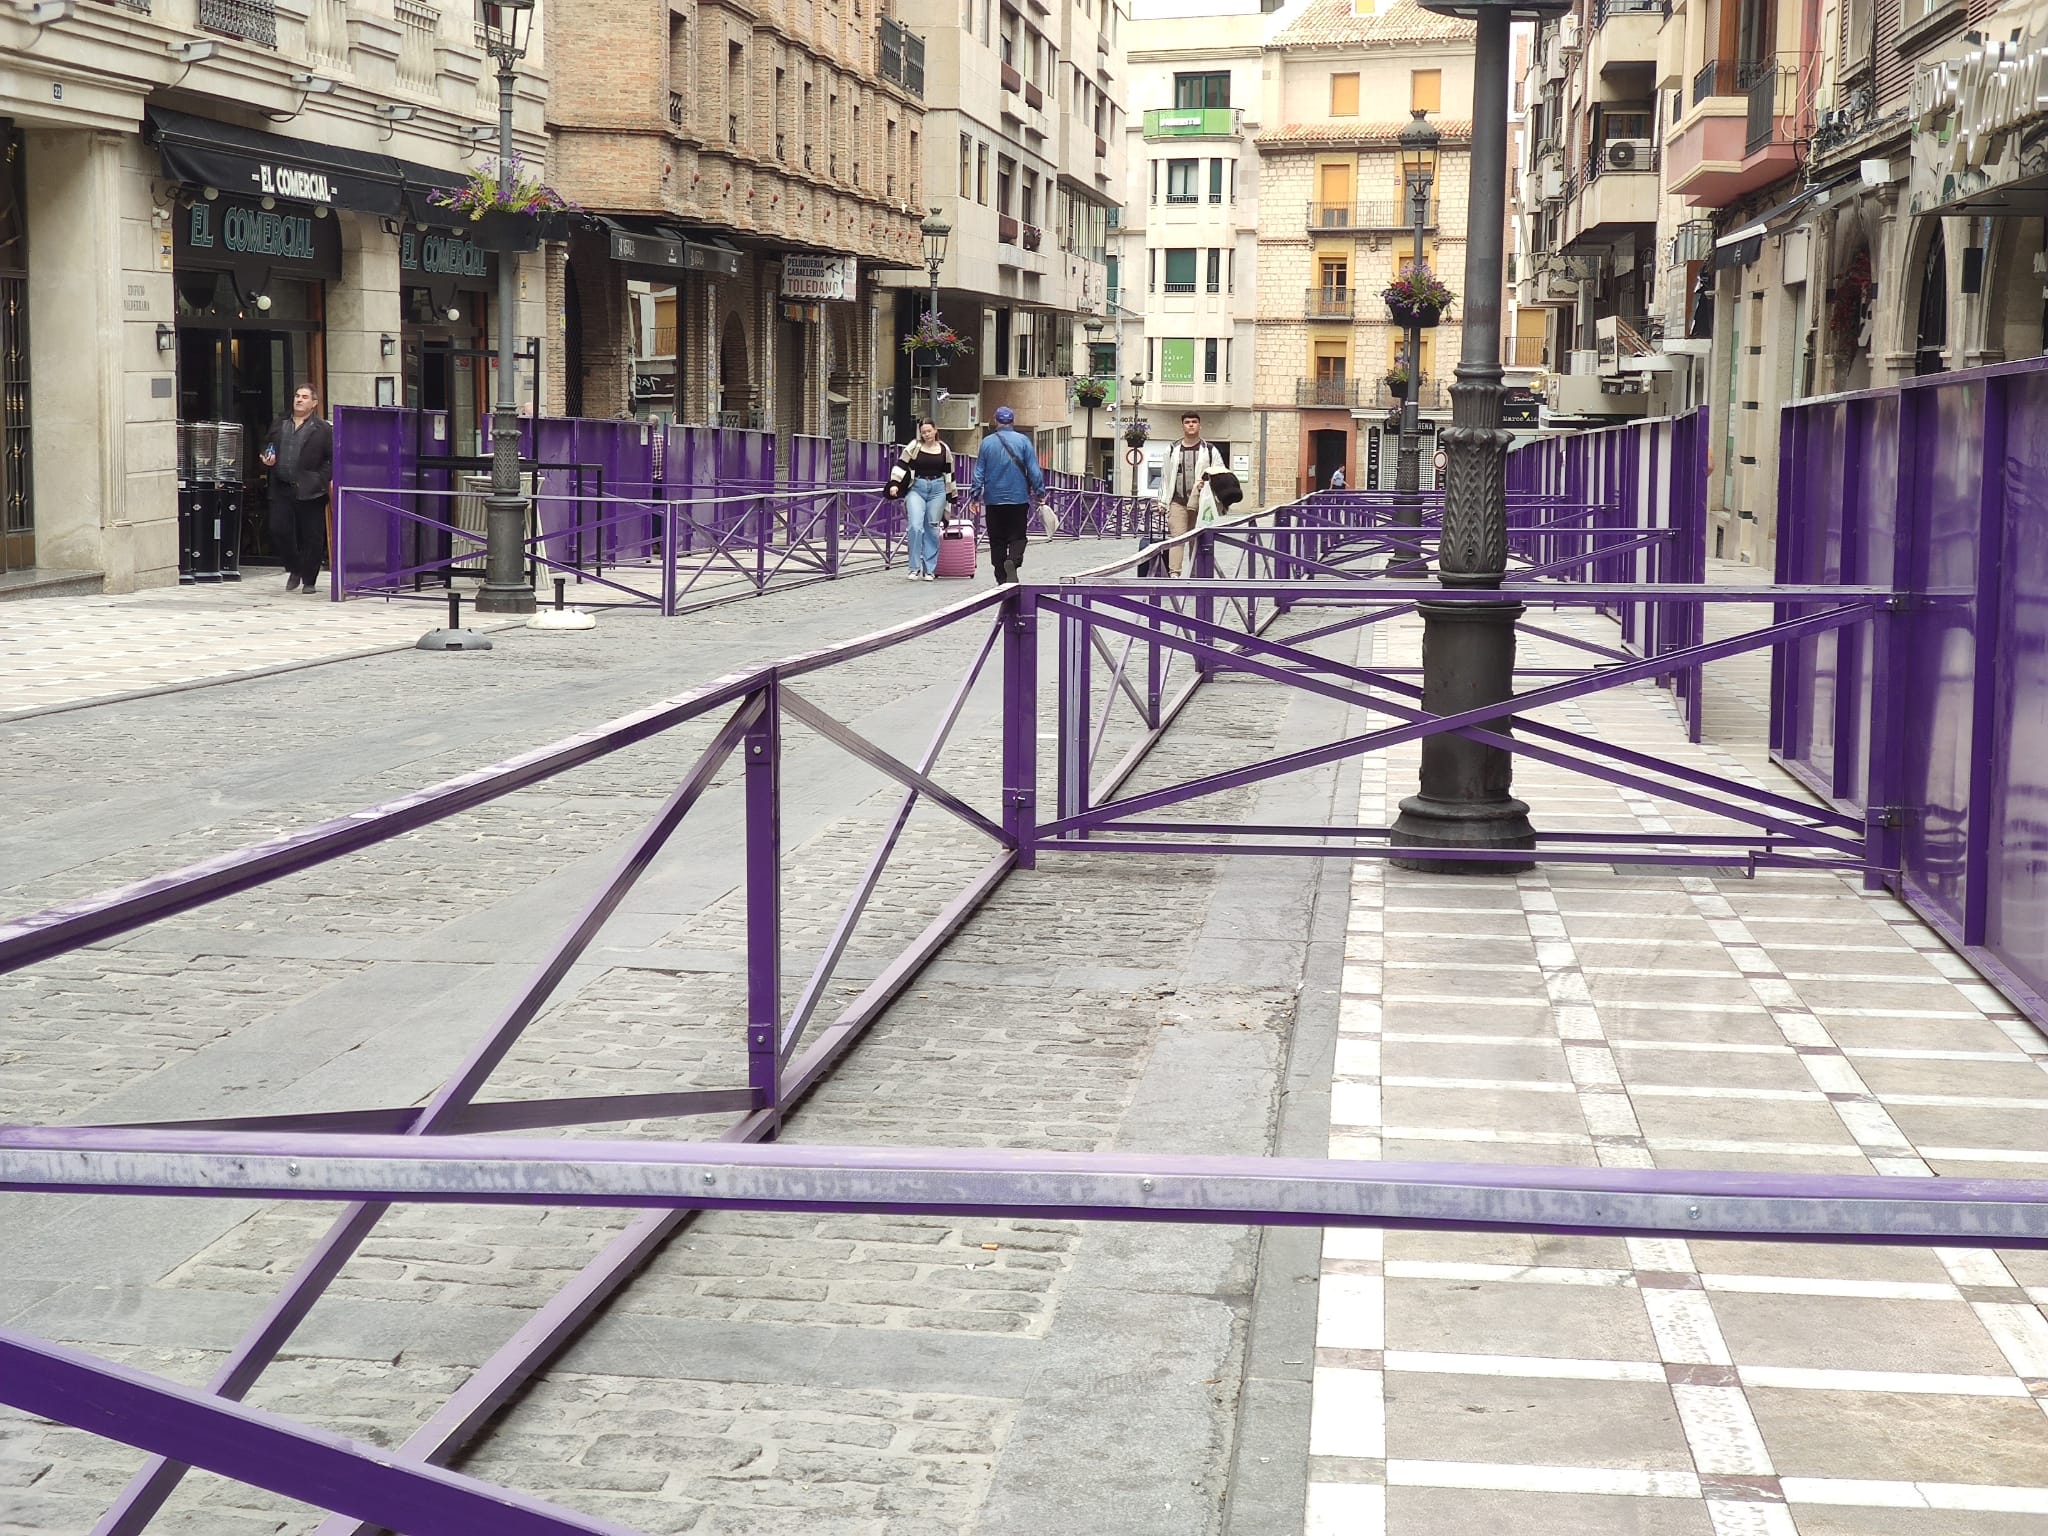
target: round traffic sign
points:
(1134, 456)
(1440, 459)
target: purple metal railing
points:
(1119, 643)
(1931, 728)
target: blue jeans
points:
(926, 503)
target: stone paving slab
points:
(1793, 1023)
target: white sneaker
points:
(931, 575)
(917, 575)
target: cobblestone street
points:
(910, 1376)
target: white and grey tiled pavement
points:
(1571, 1017)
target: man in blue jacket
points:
(1007, 480)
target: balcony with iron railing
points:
(1716, 77)
(1527, 352)
(252, 21)
(1329, 303)
(901, 55)
(1772, 89)
(1369, 218)
(1604, 9)
(1330, 394)
(1738, 134)
(675, 109)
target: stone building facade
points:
(205, 205)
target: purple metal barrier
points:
(1935, 733)
(1119, 643)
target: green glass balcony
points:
(1191, 123)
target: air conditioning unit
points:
(1552, 187)
(1568, 33)
(1626, 154)
(959, 413)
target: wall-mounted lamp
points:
(390, 226)
(44, 12)
(263, 301)
(479, 131)
(397, 112)
(209, 193)
(196, 52)
(312, 85)
(388, 346)
(454, 314)
(166, 336)
(269, 202)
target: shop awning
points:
(246, 162)
(1740, 247)
(656, 243)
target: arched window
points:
(1933, 333)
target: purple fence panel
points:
(371, 450)
(1932, 719)
(1946, 489)
(2016, 888)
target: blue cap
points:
(1005, 416)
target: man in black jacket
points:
(300, 456)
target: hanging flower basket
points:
(504, 208)
(1089, 394)
(934, 341)
(1397, 383)
(1136, 431)
(1417, 297)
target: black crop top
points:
(930, 464)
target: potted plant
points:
(1090, 393)
(1136, 430)
(505, 205)
(935, 342)
(1397, 381)
(1417, 296)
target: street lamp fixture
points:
(1418, 174)
(1093, 326)
(507, 588)
(1137, 399)
(1468, 649)
(936, 232)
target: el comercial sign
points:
(1982, 97)
(238, 236)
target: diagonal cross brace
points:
(857, 745)
(1471, 723)
(150, 1487)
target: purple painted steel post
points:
(763, 749)
(1072, 768)
(836, 502)
(1019, 619)
(1202, 565)
(1978, 863)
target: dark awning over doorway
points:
(654, 243)
(249, 163)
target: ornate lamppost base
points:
(1468, 659)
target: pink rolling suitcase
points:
(956, 547)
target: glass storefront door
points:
(240, 364)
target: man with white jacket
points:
(1184, 492)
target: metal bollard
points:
(561, 586)
(454, 609)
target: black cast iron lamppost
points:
(1137, 401)
(1418, 172)
(506, 587)
(935, 231)
(1468, 649)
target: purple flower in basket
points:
(496, 187)
(1417, 295)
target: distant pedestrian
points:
(1337, 478)
(1007, 480)
(299, 453)
(929, 458)
(1184, 493)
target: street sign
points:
(1134, 456)
(1440, 460)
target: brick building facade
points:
(724, 145)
